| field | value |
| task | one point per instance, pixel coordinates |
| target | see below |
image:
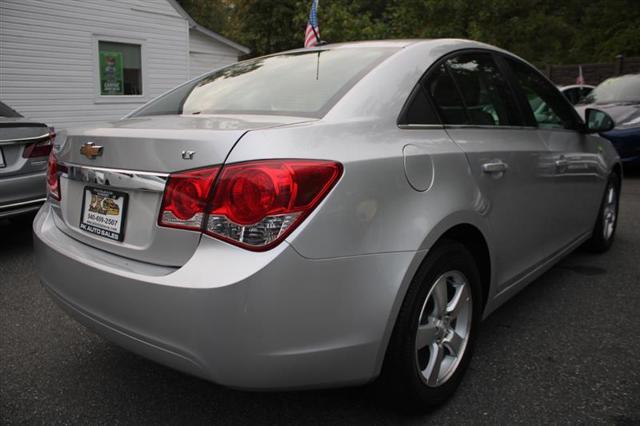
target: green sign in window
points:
(111, 75)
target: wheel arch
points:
(473, 239)
(617, 168)
(472, 234)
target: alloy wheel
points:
(444, 327)
(609, 212)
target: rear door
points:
(481, 114)
(577, 171)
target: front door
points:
(574, 161)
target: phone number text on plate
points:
(102, 220)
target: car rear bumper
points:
(281, 321)
(20, 207)
(21, 194)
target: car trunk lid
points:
(15, 136)
(122, 176)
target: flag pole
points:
(312, 27)
(315, 34)
(318, 40)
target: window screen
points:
(120, 68)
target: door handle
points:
(562, 163)
(495, 167)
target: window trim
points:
(507, 74)
(420, 126)
(98, 97)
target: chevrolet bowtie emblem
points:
(91, 150)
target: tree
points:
(541, 31)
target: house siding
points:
(48, 55)
(205, 56)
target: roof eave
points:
(193, 25)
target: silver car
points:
(24, 148)
(323, 217)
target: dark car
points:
(24, 148)
(620, 98)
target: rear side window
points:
(551, 110)
(303, 83)
(442, 90)
(488, 99)
(420, 110)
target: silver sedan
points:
(24, 147)
(326, 216)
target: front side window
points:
(120, 66)
(485, 92)
(305, 83)
(550, 108)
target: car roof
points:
(450, 43)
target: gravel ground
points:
(565, 350)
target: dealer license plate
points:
(104, 213)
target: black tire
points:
(601, 241)
(401, 376)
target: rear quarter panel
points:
(373, 208)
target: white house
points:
(68, 62)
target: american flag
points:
(580, 79)
(312, 34)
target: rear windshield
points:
(5, 111)
(305, 83)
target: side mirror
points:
(598, 121)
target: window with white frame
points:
(120, 69)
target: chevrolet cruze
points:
(324, 217)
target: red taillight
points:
(40, 149)
(53, 180)
(185, 198)
(255, 205)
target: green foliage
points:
(541, 31)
